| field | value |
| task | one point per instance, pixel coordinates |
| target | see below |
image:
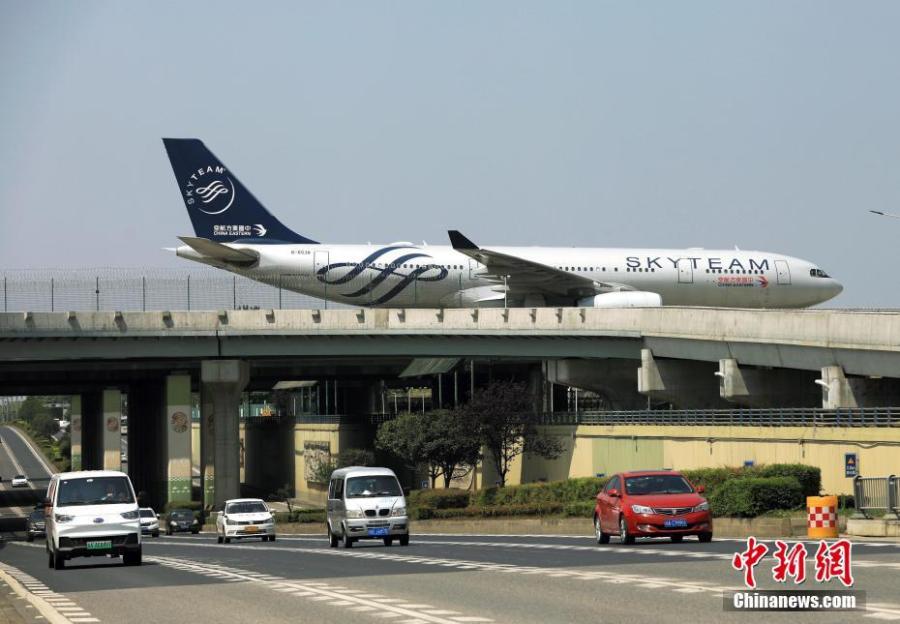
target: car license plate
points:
(100, 545)
(679, 523)
(251, 529)
(383, 532)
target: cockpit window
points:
(818, 273)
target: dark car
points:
(182, 521)
(35, 525)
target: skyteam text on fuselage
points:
(234, 232)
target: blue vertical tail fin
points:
(220, 207)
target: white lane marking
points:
(48, 602)
(322, 591)
(603, 576)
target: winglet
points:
(460, 242)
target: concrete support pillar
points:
(75, 432)
(91, 430)
(146, 441)
(836, 388)
(222, 383)
(755, 387)
(612, 379)
(112, 434)
(687, 384)
(207, 448)
(178, 437)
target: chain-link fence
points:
(145, 289)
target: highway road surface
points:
(445, 579)
(17, 456)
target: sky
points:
(766, 125)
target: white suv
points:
(91, 513)
(245, 517)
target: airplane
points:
(234, 232)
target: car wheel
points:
(705, 537)
(30, 538)
(348, 541)
(132, 557)
(602, 538)
(332, 538)
(624, 535)
(388, 541)
(272, 538)
(404, 540)
(195, 531)
(676, 539)
(155, 533)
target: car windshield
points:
(147, 513)
(94, 491)
(37, 515)
(182, 514)
(381, 485)
(246, 507)
(19, 477)
(657, 484)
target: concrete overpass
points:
(690, 357)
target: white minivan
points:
(366, 503)
(92, 513)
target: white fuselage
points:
(407, 275)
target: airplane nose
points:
(836, 288)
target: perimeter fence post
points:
(97, 291)
(144, 292)
(51, 294)
(188, 292)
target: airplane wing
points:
(529, 276)
(218, 251)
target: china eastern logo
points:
(209, 190)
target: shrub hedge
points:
(809, 477)
(749, 497)
(452, 498)
(569, 491)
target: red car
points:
(651, 503)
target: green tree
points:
(453, 444)
(442, 442)
(504, 415)
(30, 408)
(43, 424)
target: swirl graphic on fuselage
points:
(418, 273)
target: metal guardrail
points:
(343, 419)
(787, 417)
(877, 494)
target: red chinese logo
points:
(790, 563)
(832, 561)
(749, 559)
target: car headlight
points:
(355, 513)
(704, 506)
(195, 521)
(63, 518)
(229, 520)
(398, 511)
(130, 515)
(642, 509)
